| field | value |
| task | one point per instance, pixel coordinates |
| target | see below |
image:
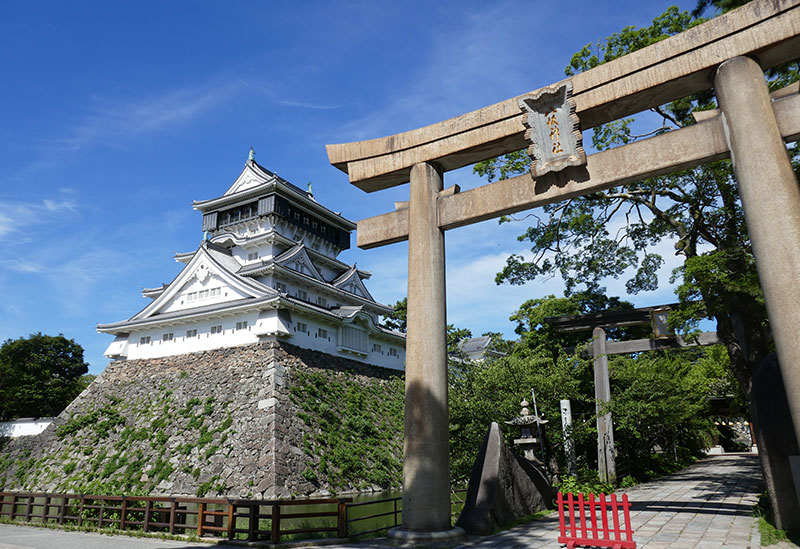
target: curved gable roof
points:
(299, 254)
(350, 281)
(207, 260)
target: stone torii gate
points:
(729, 53)
(599, 348)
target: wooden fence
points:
(223, 518)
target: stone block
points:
(500, 488)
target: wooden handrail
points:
(93, 509)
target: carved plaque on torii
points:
(552, 129)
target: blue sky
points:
(116, 115)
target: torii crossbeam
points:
(729, 52)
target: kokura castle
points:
(267, 268)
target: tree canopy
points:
(660, 399)
(617, 231)
(40, 375)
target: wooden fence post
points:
(252, 527)
(172, 516)
(201, 508)
(123, 512)
(276, 522)
(45, 507)
(148, 510)
(29, 509)
(80, 509)
(62, 509)
(342, 522)
(231, 520)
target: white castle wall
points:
(309, 338)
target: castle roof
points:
(255, 181)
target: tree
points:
(660, 400)
(397, 319)
(40, 375)
(698, 209)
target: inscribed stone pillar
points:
(426, 469)
(771, 202)
(569, 437)
(606, 464)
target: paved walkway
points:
(706, 506)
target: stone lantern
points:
(528, 441)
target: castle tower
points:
(267, 269)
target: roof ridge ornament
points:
(251, 157)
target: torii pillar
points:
(673, 68)
(771, 202)
(426, 466)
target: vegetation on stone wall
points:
(120, 446)
(354, 428)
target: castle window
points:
(168, 337)
(393, 352)
(202, 294)
(242, 213)
(280, 286)
(322, 332)
(252, 256)
(376, 347)
(144, 340)
(214, 292)
(302, 294)
(216, 329)
(301, 327)
(322, 302)
(241, 325)
(355, 339)
(191, 296)
(191, 333)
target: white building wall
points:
(304, 331)
(196, 293)
(24, 427)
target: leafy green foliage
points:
(125, 445)
(481, 393)
(659, 400)
(614, 232)
(40, 375)
(101, 422)
(355, 428)
(397, 320)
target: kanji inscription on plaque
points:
(552, 129)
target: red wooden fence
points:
(584, 528)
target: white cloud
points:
(19, 218)
(78, 277)
(303, 105)
(474, 61)
(21, 266)
(56, 206)
(114, 119)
